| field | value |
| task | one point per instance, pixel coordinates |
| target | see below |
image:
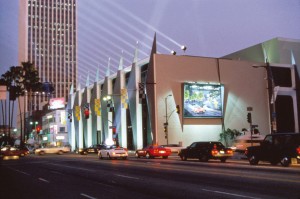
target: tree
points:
(19, 80)
(227, 136)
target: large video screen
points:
(202, 100)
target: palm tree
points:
(19, 80)
(11, 80)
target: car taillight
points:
(214, 152)
(229, 151)
(298, 150)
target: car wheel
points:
(108, 156)
(60, 152)
(183, 157)
(137, 155)
(41, 153)
(223, 160)
(148, 156)
(285, 161)
(165, 157)
(100, 156)
(253, 160)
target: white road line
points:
(20, 171)
(42, 179)
(232, 194)
(87, 196)
(127, 177)
(73, 167)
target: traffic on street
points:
(72, 175)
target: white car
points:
(112, 152)
(52, 149)
(175, 148)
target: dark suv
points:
(275, 148)
(205, 151)
(92, 149)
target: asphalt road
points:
(77, 176)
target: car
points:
(276, 148)
(175, 148)
(205, 151)
(113, 152)
(92, 149)
(52, 149)
(12, 152)
(153, 151)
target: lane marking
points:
(80, 168)
(231, 194)
(87, 196)
(130, 177)
(44, 180)
(20, 171)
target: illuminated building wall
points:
(243, 86)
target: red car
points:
(152, 151)
(11, 152)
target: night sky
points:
(209, 28)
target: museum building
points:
(169, 99)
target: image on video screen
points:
(203, 100)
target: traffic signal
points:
(70, 115)
(114, 131)
(38, 129)
(249, 118)
(86, 113)
(178, 109)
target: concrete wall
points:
(244, 86)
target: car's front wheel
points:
(60, 152)
(148, 156)
(183, 157)
(100, 156)
(137, 155)
(285, 161)
(253, 160)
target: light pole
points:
(167, 118)
(272, 94)
(35, 123)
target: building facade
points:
(173, 99)
(47, 38)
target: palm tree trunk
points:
(2, 111)
(21, 123)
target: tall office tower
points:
(47, 38)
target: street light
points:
(166, 123)
(271, 89)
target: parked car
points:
(92, 149)
(175, 148)
(113, 152)
(152, 151)
(52, 149)
(275, 148)
(11, 152)
(205, 151)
